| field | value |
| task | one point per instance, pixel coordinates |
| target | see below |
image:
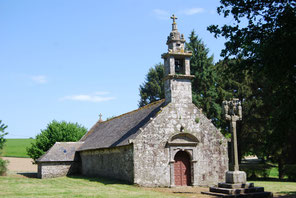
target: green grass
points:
(16, 186)
(274, 172)
(16, 147)
(276, 187)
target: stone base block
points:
(248, 195)
(236, 177)
(232, 191)
(237, 187)
(234, 186)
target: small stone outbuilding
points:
(167, 143)
(60, 160)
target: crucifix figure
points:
(233, 112)
(174, 18)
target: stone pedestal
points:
(236, 186)
(236, 177)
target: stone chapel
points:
(167, 143)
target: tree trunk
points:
(281, 168)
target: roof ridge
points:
(68, 142)
(42, 156)
(146, 106)
(133, 111)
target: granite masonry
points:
(167, 143)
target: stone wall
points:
(152, 155)
(180, 91)
(57, 169)
(115, 163)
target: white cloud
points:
(40, 79)
(95, 97)
(161, 14)
(192, 11)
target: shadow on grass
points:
(288, 192)
(103, 180)
(29, 175)
(286, 196)
(180, 192)
(268, 179)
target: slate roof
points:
(117, 131)
(61, 152)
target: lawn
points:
(18, 186)
(16, 147)
(282, 188)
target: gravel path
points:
(20, 165)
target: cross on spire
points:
(174, 19)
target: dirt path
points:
(20, 165)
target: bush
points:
(3, 166)
(55, 132)
(290, 171)
(256, 170)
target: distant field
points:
(17, 147)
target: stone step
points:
(216, 194)
(232, 191)
(245, 195)
(229, 185)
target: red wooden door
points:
(182, 169)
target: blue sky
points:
(74, 59)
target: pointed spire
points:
(174, 25)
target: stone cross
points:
(100, 120)
(233, 112)
(174, 18)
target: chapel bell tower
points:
(177, 78)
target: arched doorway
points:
(182, 169)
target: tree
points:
(266, 43)
(3, 163)
(152, 89)
(55, 132)
(233, 83)
(2, 134)
(204, 90)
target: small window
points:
(179, 66)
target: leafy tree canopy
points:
(263, 33)
(55, 132)
(233, 83)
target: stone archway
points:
(182, 169)
(187, 143)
